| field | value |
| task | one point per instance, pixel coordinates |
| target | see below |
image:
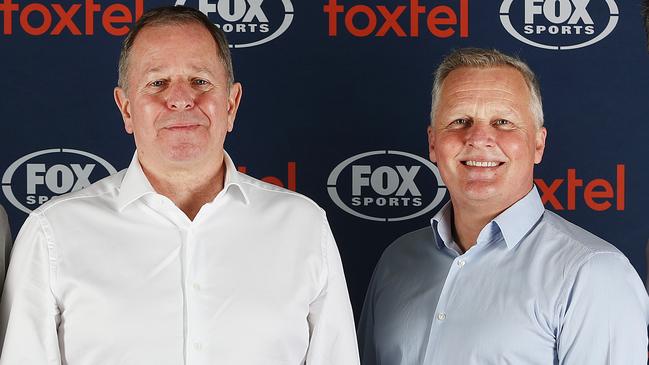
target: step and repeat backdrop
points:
(336, 103)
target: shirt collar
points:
(517, 220)
(441, 223)
(513, 223)
(135, 184)
(234, 178)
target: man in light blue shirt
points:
(497, 279)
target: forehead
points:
(159, 46)
(496, 83)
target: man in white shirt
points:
(179, 259)
(5, 243)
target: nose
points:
(481, 136)
(180, 96)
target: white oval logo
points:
(37, 177)
(559, 24)
(386, 186)
(248, 23)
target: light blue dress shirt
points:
(534, 289)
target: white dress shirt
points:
(116, 274)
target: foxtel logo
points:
(291, 176)
(442, 21)
(54, 18)
(598, 194)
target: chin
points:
(495, 193)
(481, 192)
(184, 153)
(479, 188)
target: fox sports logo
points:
(386, 186)
(39, 176)
(559, 24)
(247, 23)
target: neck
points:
(467, 224)
(469, 218)
(188, 189)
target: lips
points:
(181, 126)
(181, 121)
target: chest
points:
(163, 288)
(485, 310)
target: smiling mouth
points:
(473, 163)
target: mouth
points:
(182, 127)
(483, 164)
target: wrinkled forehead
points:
(159, 47)
(156, 38)
(495, 81)
(486, 92)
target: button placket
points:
(440, 315)
(192, 288)
(447, 294)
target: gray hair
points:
(486, 58)
(174, 15)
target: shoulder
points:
(263, 194)
(99, 194)
(411, 242)
(576, 236)
(408, 249)
(598, 286)
(584, 255)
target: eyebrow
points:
(193, 69)
(459, 108)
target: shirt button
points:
(461, 263)
(196, 287)
(198, 346)
(441, 316)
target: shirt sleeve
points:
(29, 316)
(606, 315)
(366, 341)
(5, 244)
(331, 322)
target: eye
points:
(503, 123)
(200, 82)
(157, 83)
(459, 123)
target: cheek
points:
(517, 147)
(448, 147)
(145, 113)
(217, 114)
(213, 102)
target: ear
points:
(124, 106)
(539, 145)
(233, 103)
(431, 144)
